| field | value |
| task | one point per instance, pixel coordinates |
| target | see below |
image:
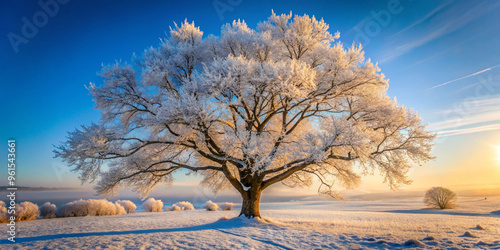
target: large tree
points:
(284, 103)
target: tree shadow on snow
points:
(219, 225)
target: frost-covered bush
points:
(440, 197)
(174, 208)
(185, 205)
(180, 206)
(211, 206)
(128, 205)
(27, 211)
(101, 207)
(120, 209)
(48, 210)
(105, 207)
(90, 208)
(74, 209)
(3, 212)
(152, 205)
(227, 206)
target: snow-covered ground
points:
(291, 225)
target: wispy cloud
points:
(440, 53)
(463, 131)
(475, 116)
(467, 87)
(441, 21)
(425, 18)
(464, 77)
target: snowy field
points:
(290, 225)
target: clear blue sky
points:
(440, 57)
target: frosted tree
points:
(440, 197)
(282, 103)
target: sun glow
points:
(498, 154)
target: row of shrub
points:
(29, 211)
(211, 206)
(26, 210)
(95, 208)
(153, 205)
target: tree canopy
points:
(284, 102)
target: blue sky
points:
(442, 59)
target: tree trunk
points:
(250, 204)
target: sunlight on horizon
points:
(498, 154)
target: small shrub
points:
(128, 205)
(227, 206)
(174, 208)
(48, 210)
(73, 209)
(27, 211)
(152, 205)
(440, 197)
(211, 206)
(120, 209)
(185, 205)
